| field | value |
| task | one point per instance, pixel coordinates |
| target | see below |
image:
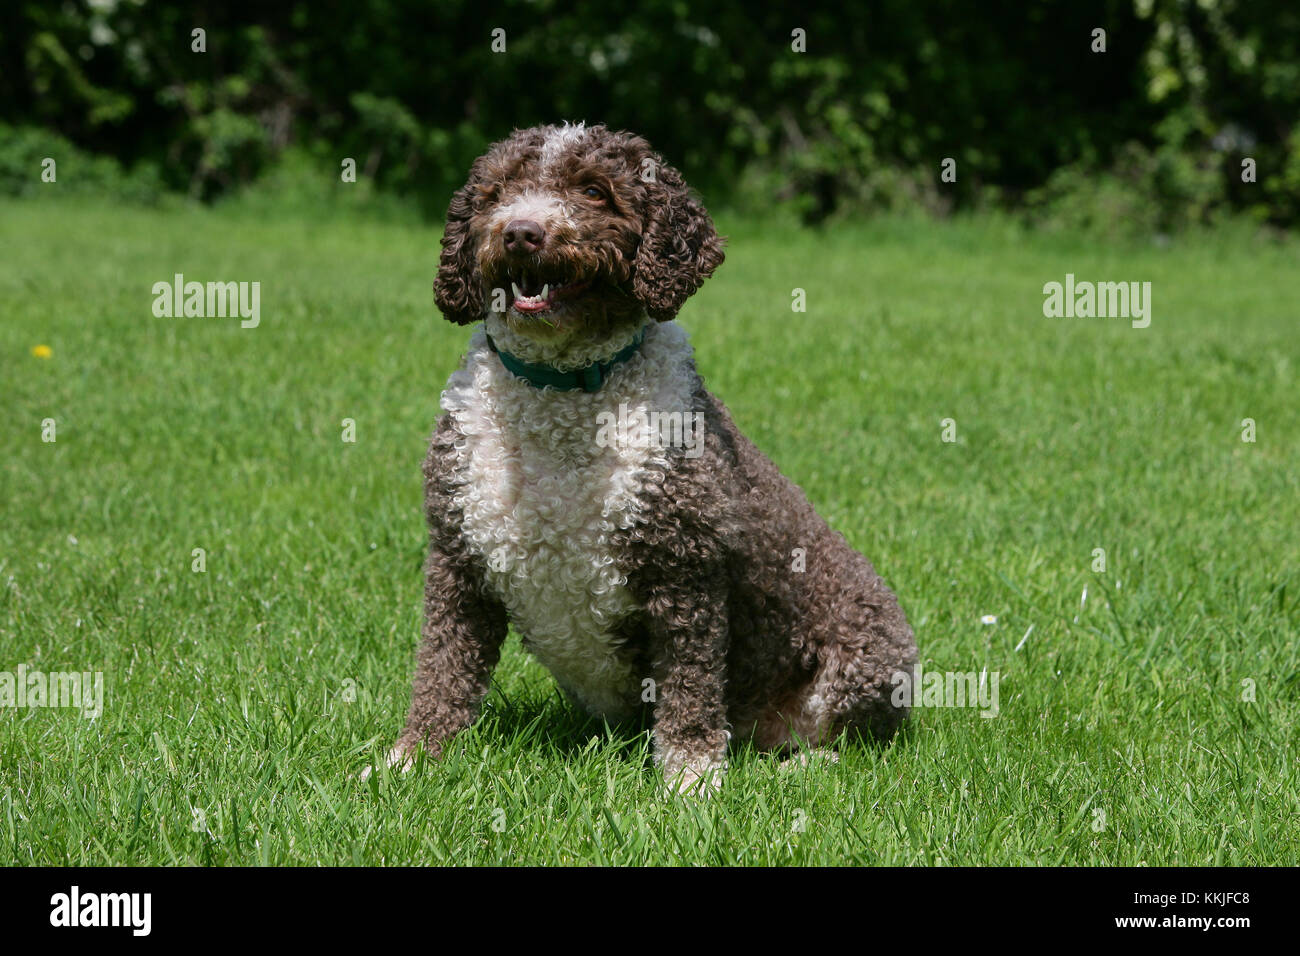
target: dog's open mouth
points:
(536, 293)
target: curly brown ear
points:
(679, 248)
(458, 289)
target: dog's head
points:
(573, 230)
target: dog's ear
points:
(458, 289)
(679, 248)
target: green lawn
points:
(239, 701)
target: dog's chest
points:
(542, 496)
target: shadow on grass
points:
(553, 724)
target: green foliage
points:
(57, 78)
(1143, 192)
(860, 121)
(1225, 75)
(302, 185)
(23, 152)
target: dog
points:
(687, 577)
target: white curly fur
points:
(541, 497)
(560, 141)
(564, 353)
(543, 206)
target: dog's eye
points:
(594, 192)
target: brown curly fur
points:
(740, 645)
(651, 245)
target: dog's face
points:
(572, 231)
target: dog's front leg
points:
(464, 628)
(689, 627)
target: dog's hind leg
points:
(863, 684)
(855, 688)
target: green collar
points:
(588, 379)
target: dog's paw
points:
(398, 757)
(806, 758)
(699, 777)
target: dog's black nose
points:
(523, 236)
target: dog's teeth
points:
(514, 287)
(546, 288)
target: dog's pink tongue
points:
(532, 305)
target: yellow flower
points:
(42, 351)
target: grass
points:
(240, 700)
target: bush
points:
(23, 154)
(836, 108)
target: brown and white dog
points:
(686, 572)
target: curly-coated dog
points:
(584, 485)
